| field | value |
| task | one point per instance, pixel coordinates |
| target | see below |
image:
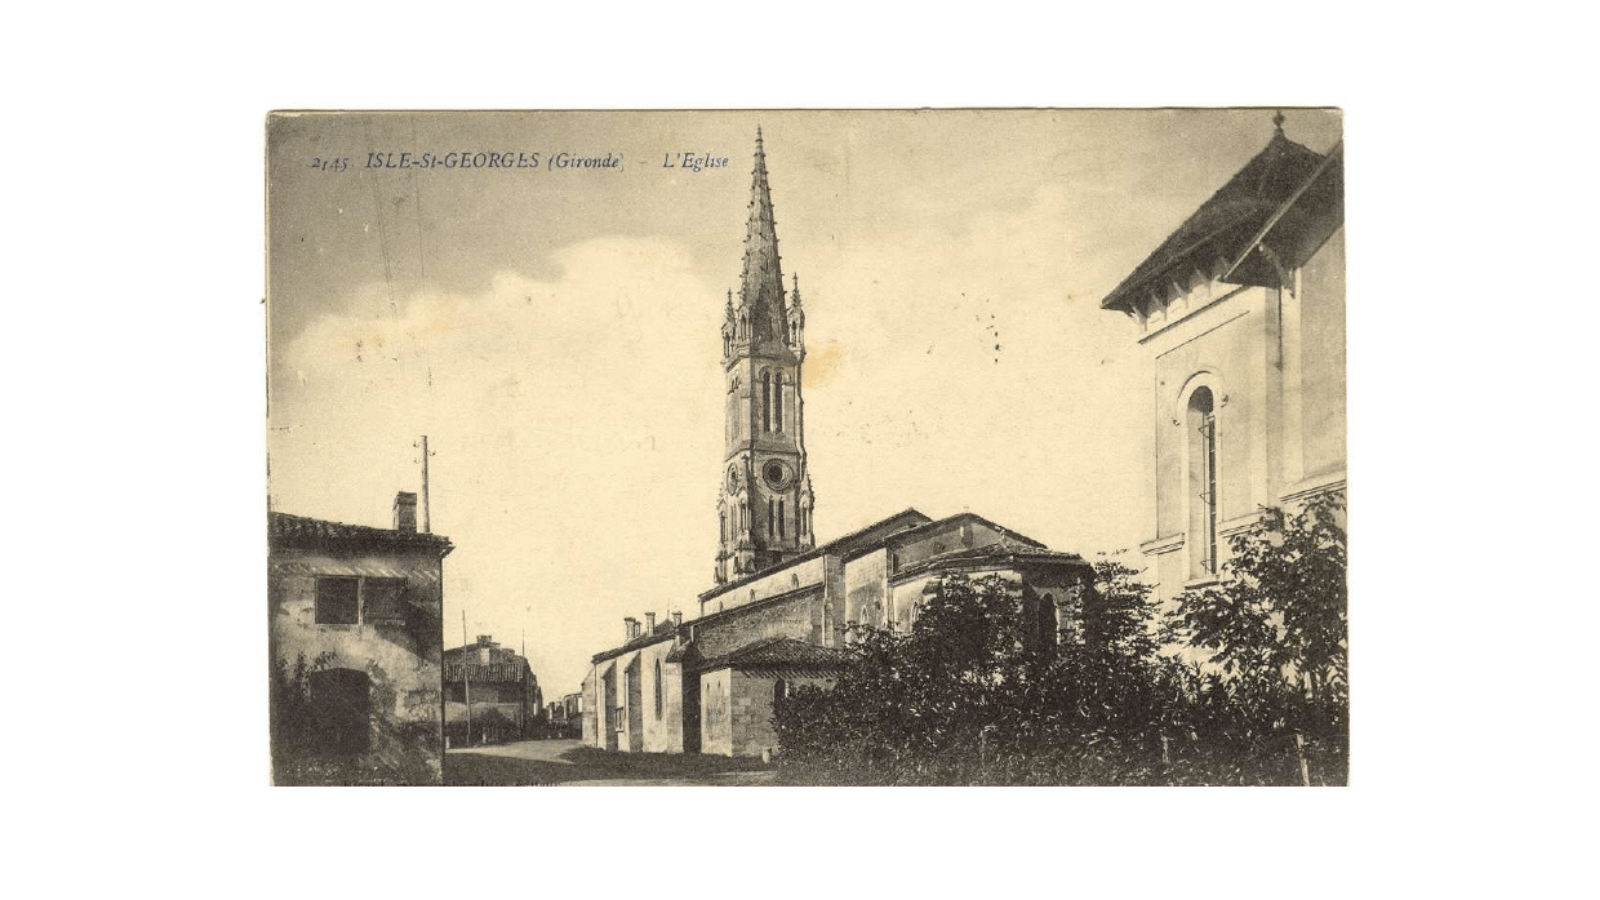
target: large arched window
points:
(1202, 432)
(780, 518)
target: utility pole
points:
(466, 668)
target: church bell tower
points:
(764, 503)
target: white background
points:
(134, 373)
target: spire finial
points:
(1277, 121)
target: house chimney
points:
(677, 629)
(650, 623)
(405, 512)
(484, 640)
(631, 626)
(677, 619)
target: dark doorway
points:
(341, 703)
(691, 712)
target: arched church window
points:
(722, 526)
(780, 518)
(1049, 621)
(1202, 421)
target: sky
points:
(555, 332)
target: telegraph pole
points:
(466, 664)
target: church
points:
(780, 606)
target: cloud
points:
(578, 418)
(566, 416)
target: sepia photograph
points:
(934, 447)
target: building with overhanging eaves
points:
(1242, 311)
(354, 616)
(780, 610)
(490, 694)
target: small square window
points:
(336, 601)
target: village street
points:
(568, 762)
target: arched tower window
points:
(1202, 427)
(722, 526)
(766, 401)
(780, 518)
(777, 402)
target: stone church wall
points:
(751, 709)
(799, 617)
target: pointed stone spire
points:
(797, 321)
(1277, 122)
(761, 287)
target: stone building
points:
(354, 616)
(490, 694)
(780, 609)
(565, 716)
(1242, 310)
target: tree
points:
(974, 694)
(1275, 628)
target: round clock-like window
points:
(776, 474)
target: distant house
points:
(565, 716)
(354, 625)
(1242, 310)
(490, 694)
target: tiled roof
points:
(911, 534)
(841, 546)
(285, 530)
(1004, 550)
(664, 631)
(496, 672)
(684, 653)
(1225, 224)
(786, 653)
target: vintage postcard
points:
(774, 447)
